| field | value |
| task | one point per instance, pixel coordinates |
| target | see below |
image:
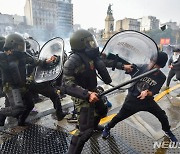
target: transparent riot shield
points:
(54, 47)
(131, 47)
(35, 47)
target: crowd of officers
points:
(79, 80)
(17, 64)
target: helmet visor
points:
(90, 42)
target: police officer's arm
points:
(69, 84)
(37, 62)
(118, 65)
(32, 60)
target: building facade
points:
(172, 25)
(127, 24)
(50, 17)
(64, 17)
(11, 23)
(148, 23)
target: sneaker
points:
(109, 104)
(106, 132)
(171, 136)
(72, 119)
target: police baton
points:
(128, 82)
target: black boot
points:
(12, 111)
(97, 127)
(60, 115)
(59, 112)
(22, 118)
(76, 145)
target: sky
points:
(92, 13)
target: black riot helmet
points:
(15, 42)
(83, 40)
(2, 41)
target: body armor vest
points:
(87, 78)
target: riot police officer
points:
(80, 81)
(11, 79)
(45, 88)
(14, 78)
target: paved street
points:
(136, 134)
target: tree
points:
(157, 34)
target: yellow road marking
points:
(106, 119)
(73, 132)
(102, 121)
(157, 98)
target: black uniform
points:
(47, 90)
(79, 77)
(79, 80)
(14, 77)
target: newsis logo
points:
(165, 145)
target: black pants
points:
(29, 105)
(150, 106)
(48, 91)
(87, 123)
(18, 112)
(170, 76)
